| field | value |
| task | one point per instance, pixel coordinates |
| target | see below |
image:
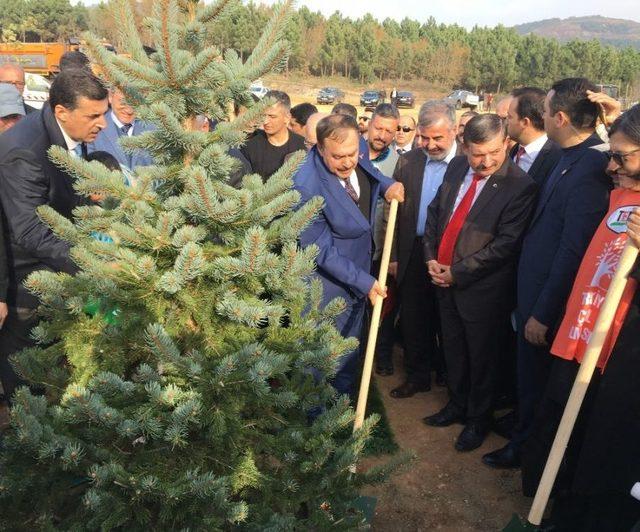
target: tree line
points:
(366, 49)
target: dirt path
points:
(442, 489)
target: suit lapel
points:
(540, 158)
(416, 175)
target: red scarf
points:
(594, 277)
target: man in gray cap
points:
(11, 106)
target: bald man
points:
(310, 137)
(14, 75)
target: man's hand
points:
(376, 290)
(395, 191)
(633, 227)
(440, 275)
(4, 312)
(611, 108)
(535, 332)
(393, 269)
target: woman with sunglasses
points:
(602, 462)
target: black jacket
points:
(29, 179)
(409, 171)
(544, 162)
(487, 247)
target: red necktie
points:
(521, 152)
(451, 232)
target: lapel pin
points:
(564, 171)
(495, 185)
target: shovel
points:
(375, 319)
(580, 385)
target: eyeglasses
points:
(405, 129)
(363, 118)
(619, 157)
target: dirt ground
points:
(441, 489)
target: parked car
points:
(405, 99)
(461, 98)
(370, 99)
(258, 90)
(330, 95)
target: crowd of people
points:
(496, 214)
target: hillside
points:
(614, 31)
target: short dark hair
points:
(335, 127)
(483, 128)
(386, 110)
(530, 104)
(570, 97)
(280, 97)
(74, 59)
(345, 109)
(105, 158)
(72, 84)
(628, 124)
(302, 112)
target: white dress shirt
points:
(353, 179)
(531, 151)
(119, 124)
(465, 186)
(71, 144)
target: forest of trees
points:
(366, 49)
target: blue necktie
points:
(125, 129)
(78, 151)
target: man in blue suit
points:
(573, 201)
(121, 121)
(339, 170)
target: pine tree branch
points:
(166, 11)
(128, 31)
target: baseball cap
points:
(10, 101)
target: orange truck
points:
(37, 57)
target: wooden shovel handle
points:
(583, 378)
(375, 319)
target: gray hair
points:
(386, 110)
(434, 110)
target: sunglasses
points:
(405, 129)
(619, 157)
(364, 118)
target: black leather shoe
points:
(384, 371)
(449, 415)
(505, 458)
(441, 379)
(471, 437)
(408, 389)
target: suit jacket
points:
(29, 179)
(341, 232)
(572, 204)
(544, 162)
(109, 140)
(409, 171)
(487, 248)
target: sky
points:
(471, 12)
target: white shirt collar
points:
(119, 124)
(536, 145)
(71, 144)
(447, 159)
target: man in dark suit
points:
(534, 152)
(73, 116)
(473, 235)
(122, 122)
(338, 169)
(14, 75)
(421, 171)
(572, 203)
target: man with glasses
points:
(405, 134)
(14, 75)
(363, 123)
